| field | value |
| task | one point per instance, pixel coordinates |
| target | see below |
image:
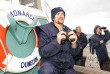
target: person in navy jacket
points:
(56, 57)
(98, 42)
(82, 39)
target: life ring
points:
(8, 61)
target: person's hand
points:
(81, 47)
(73, 36)
(61, 35)
(105, 29)
(101, 41)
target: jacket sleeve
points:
(75, 51)
(94, 44)
(107, 36)
(84, 42)
(47, 48)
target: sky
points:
(84, 13)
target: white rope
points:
(6, 56)
(33, 69)
(4, 20)
(4, 47)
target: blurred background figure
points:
(83, 42)
(98, 42)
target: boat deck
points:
(84, 70)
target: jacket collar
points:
(54, 30)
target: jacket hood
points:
(96, 28)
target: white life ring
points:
(10, 63)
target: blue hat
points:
(54, 11)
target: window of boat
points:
(31, 3)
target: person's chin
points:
(60, 22)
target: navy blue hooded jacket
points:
(50, 50)
(101, 49)
(82, 39)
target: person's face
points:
(98, 30)
(59, 18)
(78, 29)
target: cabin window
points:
(31, 3)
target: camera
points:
(67, 38)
